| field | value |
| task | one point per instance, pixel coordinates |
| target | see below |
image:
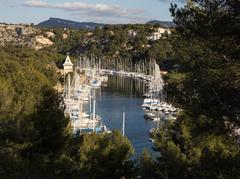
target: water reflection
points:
(125, 85)
(125, 92)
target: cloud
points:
(88, 9)
(35, 3)
(9, 2)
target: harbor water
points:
(125, 94)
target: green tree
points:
(210, 55)
(199, 144)
(106, 155)
(146, 166)
(51, 127)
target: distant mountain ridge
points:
(62, 23)
(162, 23)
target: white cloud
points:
(35, 3)
(88, 9)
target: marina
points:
(101, 100)
(120, 89)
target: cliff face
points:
(25, 35)
(39, 42)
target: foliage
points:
(205, 84)
(36, 139)
(191, 149)
(114, 41)
(105, 155)
(146, 166)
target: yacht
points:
(149, 115)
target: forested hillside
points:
(36, 138)
(131, 42)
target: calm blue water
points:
(125, 92)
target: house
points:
(159, 33)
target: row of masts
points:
(142, 69)
(93, 67)
(76, 94)
(143, 66)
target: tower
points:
(68, 65)
(67, 69)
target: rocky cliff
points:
(26, 35)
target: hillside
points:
(62, 23)
(23, 35)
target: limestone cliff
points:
(26, 35)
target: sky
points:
(104, 11)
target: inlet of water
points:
(125, 92)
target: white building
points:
(68, 65)
(159, 33)
(132, 33)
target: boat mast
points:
(90, 104)
(123, 124)
(94, 106)
(69, 86)
(81, 112)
